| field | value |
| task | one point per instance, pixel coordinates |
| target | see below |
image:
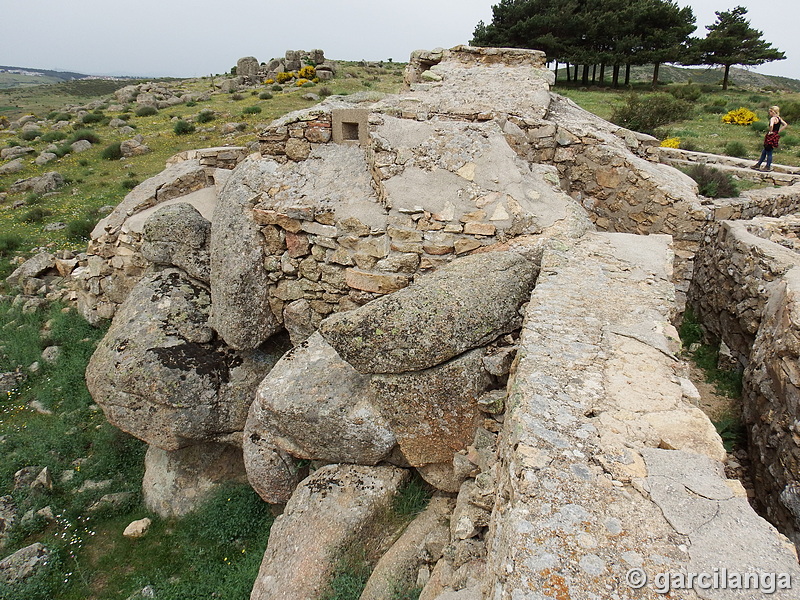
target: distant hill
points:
(11, 77)
(741, 78)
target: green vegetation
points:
(112, 151)
(713, 183)
(647, 113)
(609, 34)
(146, 111)
(183, 127)
(251, 110)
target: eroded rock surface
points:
(336, 507)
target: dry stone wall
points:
(744, 293)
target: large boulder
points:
(434, 412)
(23, 563)
(336, 507)
(438, 317)
(161, 373)
(316, 406)
(177, 234)
(239, 281)
(247, 67)
(49, 182)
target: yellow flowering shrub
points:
(307, 72)
(269, 81)
(300, 82)
(672, 142)
(284, 76)
(740, 116)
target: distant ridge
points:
(60, 75)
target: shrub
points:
(713, 183)
(30, 134)
(759, 126)
(237, 97)
(736, 149)
(688, 92)
(54, 136)
(277, 88)
(205, 116)
(9, 242)
(251, 110)
(129, 184)
(36, 215)
(59, 116)
(307, 72)
(284, 76)
(325, 91)
(790, 140)
(740, 116)
(688, 144)
(84, 162)
(265, 96)
(645, 113)
(112, 152)
(90, 118)
(191, 103)
(84, 134)
(183, 128)
(61, 150)
(672, 142)
(81, 229)
(146, 111)
(790, 111)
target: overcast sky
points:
(171, 38)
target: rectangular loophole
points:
(350, 131)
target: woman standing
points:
(771, 140)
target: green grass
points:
(705, 131)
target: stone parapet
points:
(604, 464)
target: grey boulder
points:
(178, 235)
(439, 316)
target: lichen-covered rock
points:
(162, 375)
(438, 317)
(239, 281)
(335, 507)
(178, 235)
(23, 563)
(434, 412)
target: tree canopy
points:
(622, 33)
(731, 41)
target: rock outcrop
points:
(398, 242)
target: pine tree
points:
(731, 41)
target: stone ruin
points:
(475, 280)
(249, 71)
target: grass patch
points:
(183, 127)
(350, 576)
(713, 183)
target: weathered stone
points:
(313, 405)
(137, 529)
(23, 563)
(160, 373)
(178, 235)
(440, 316)
(433, 412)
(398, 567)
(242, 314)
(176, 483)
(49, 182)
(378, 283)
(337, 506)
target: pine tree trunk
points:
(615, 76)
(556, 73)
(575, 74)
(585, 78)
(594, 74)
(569, 72)
(602, 73)
(627, 73)
(725, 79)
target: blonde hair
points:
(776, 110)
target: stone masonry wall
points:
(745, 294)
(112, 264)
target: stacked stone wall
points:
(745, 294)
